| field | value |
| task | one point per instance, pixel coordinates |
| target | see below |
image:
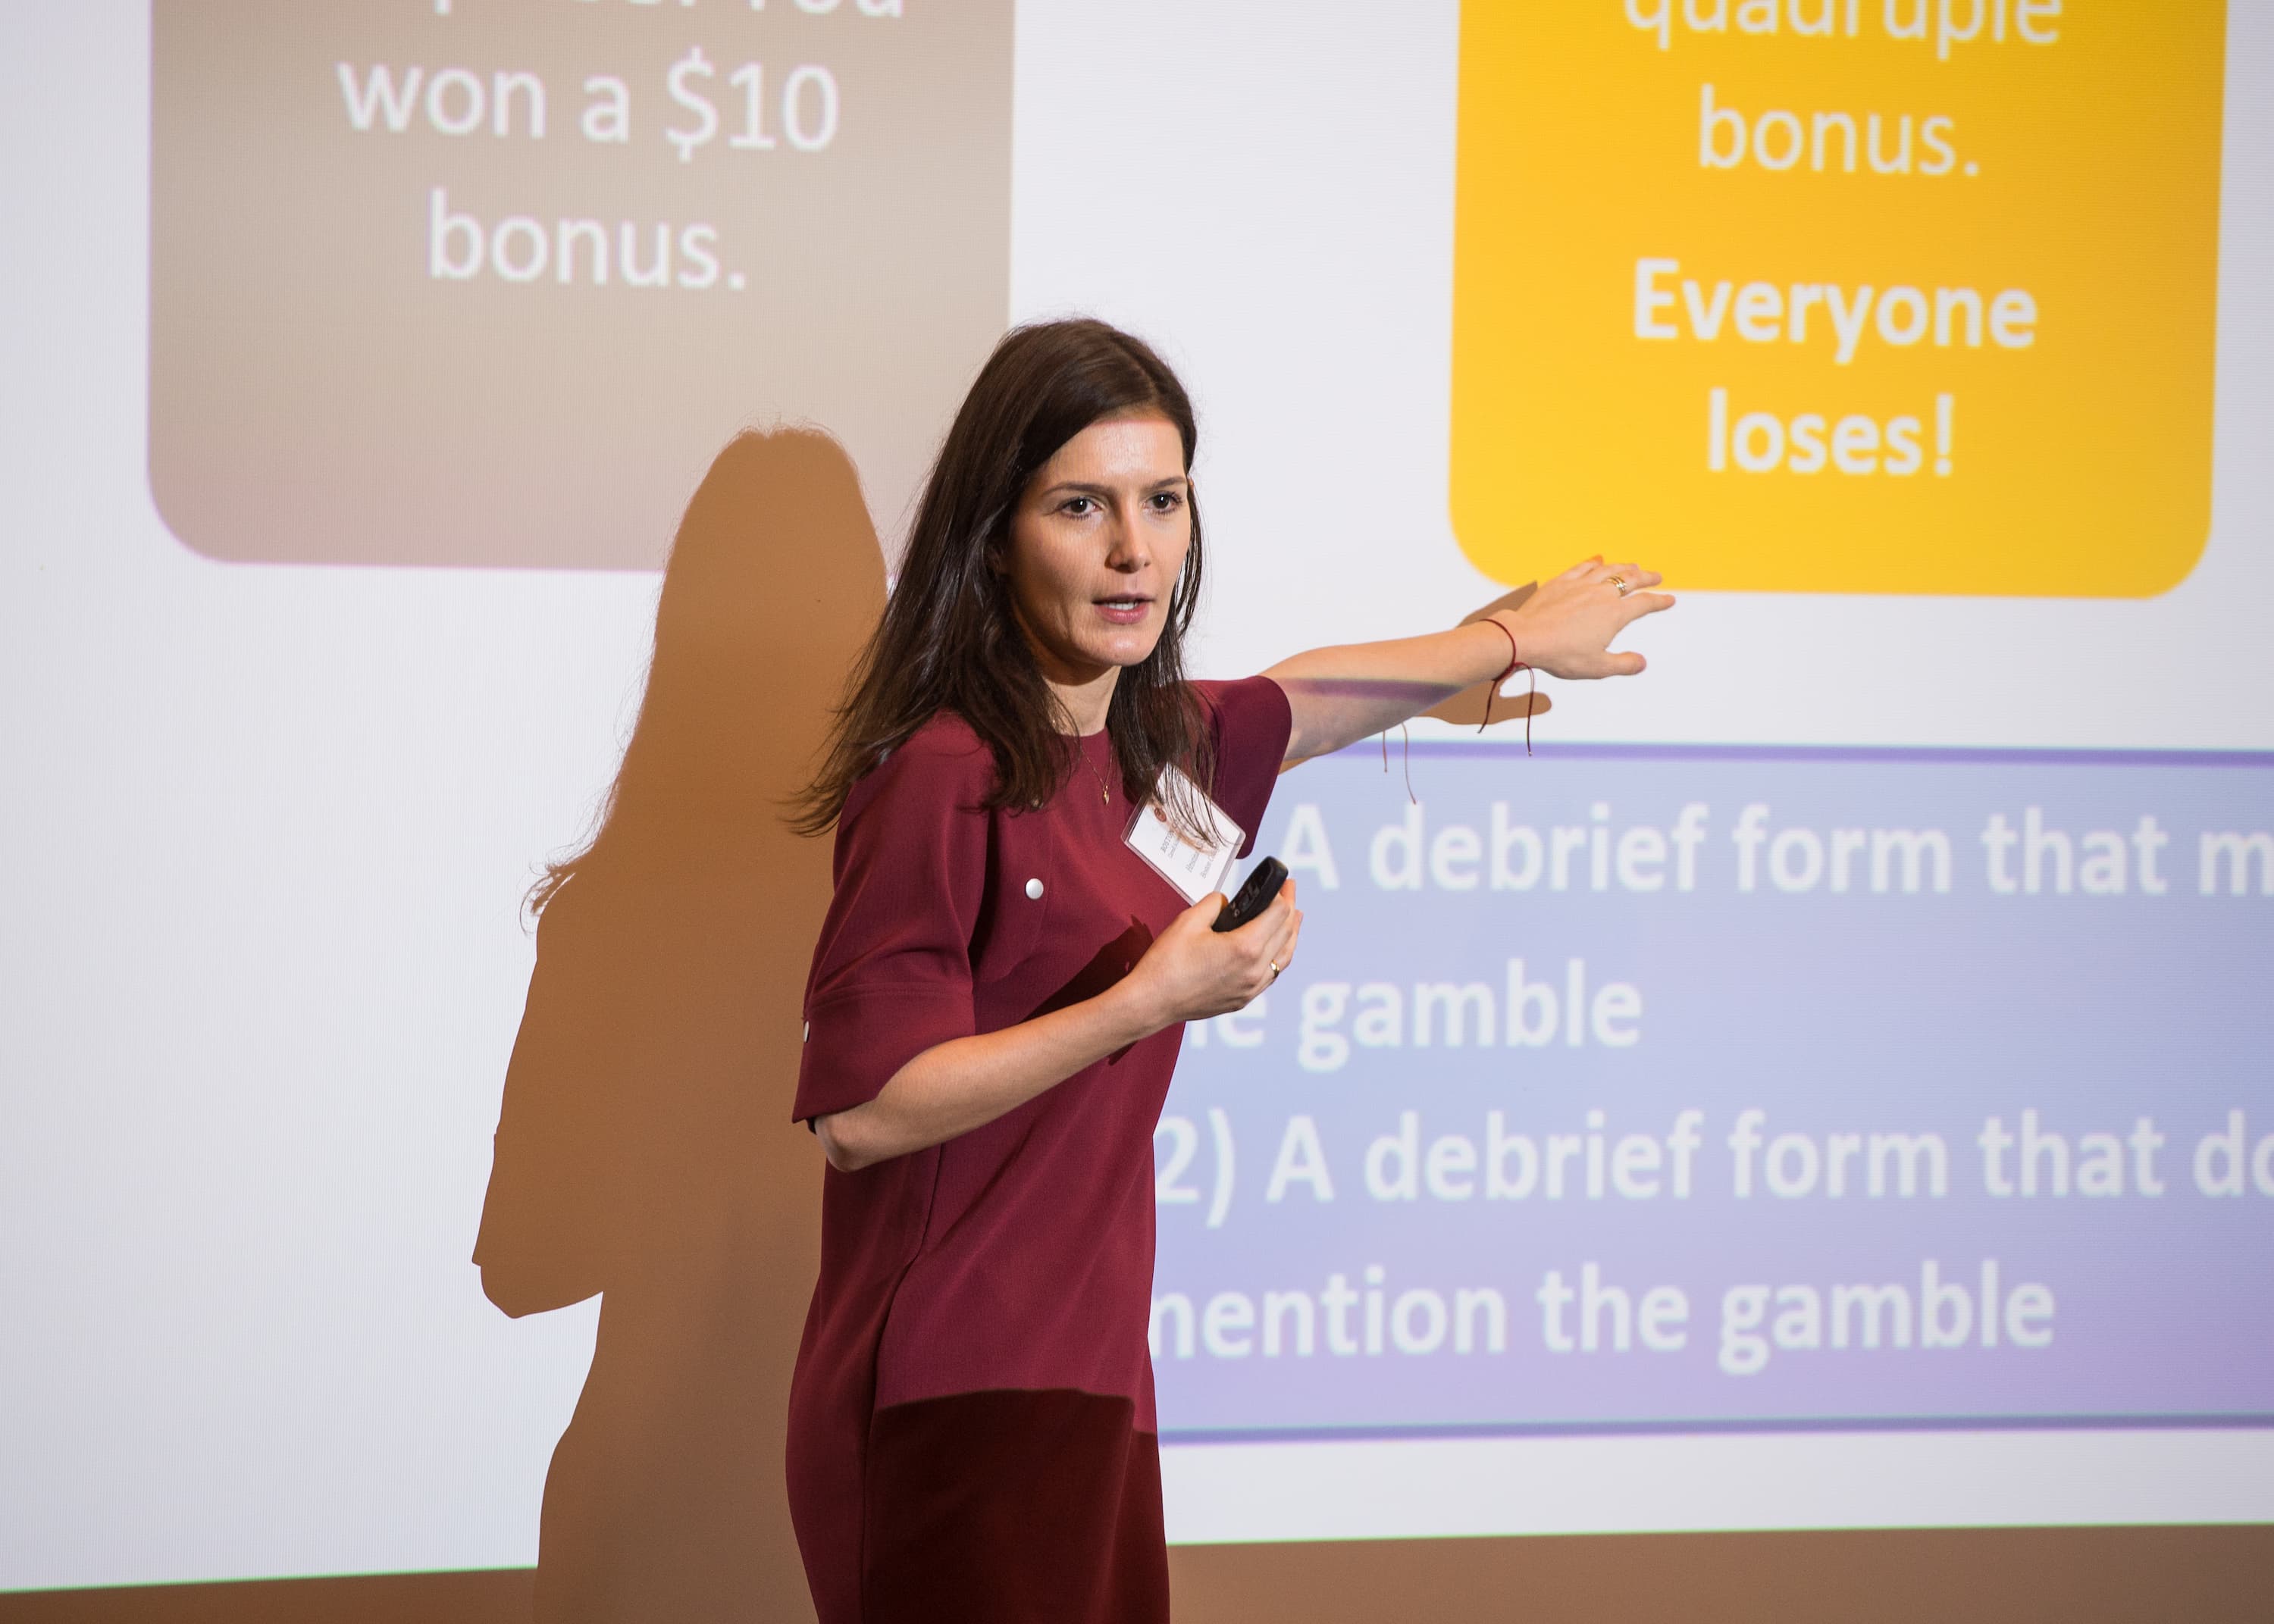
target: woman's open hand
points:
(1192, 970)
(1565, 629)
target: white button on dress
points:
(1035, 891)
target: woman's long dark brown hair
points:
(948, 640)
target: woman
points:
(999, 990)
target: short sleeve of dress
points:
(891, 972)
(1253, 723)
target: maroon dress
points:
(971, 1430)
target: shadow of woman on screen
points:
(644, 1150)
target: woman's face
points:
(1096, 544)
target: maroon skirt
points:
(1006, 1507)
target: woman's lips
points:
(1124, 611)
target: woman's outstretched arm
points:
(1339, 695)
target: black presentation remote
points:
(1262, 884)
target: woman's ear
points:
(996, 550)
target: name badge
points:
(1194, 867)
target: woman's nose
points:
(1127, 551)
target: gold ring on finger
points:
(1620, 582)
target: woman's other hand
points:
(1189, 971)
(1566, 627)
(1193, 971)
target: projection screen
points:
(1819, 1085)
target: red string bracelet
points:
(1515, 664)
(1406, 734)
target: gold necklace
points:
(1104, 789)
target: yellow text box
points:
(1840, 295)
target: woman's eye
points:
(1080, 507)
(1167, 501)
